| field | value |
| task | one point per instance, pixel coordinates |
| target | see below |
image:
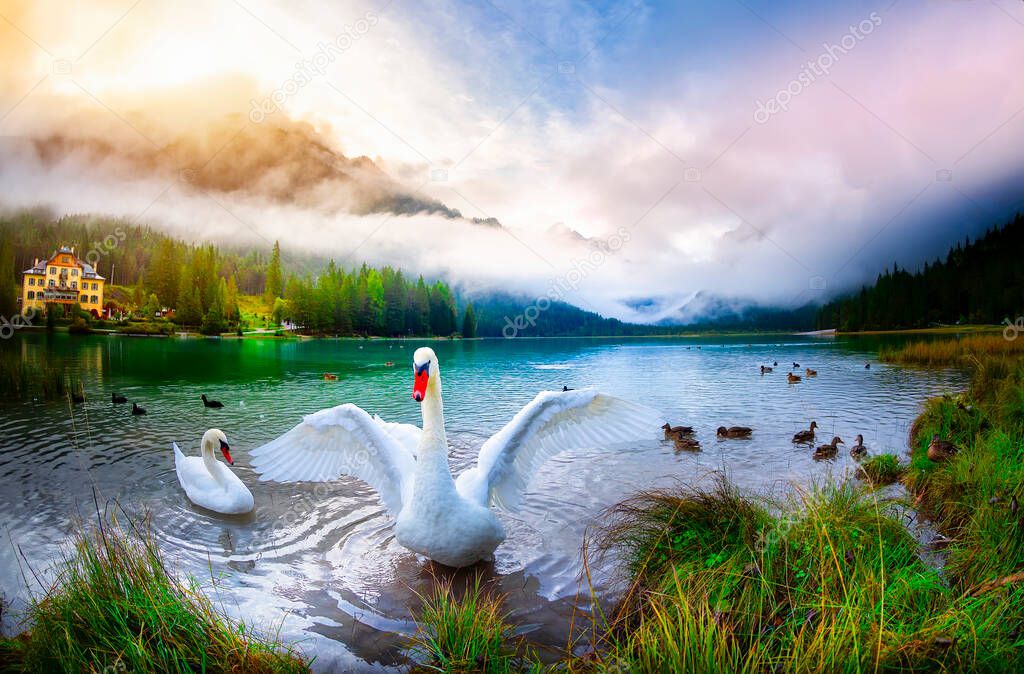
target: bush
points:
(79, 327)
(881, 470)
(467, 633)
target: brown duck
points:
(734, 432)
(806, 436)
(829, 450)
(687, 443)
(810, 373)
(859, 451)
(676, 431)
(792, 378)
(940, 450)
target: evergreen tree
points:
(139, 294)
(164, 270)
(214, 322)
(189, 307)
(469, 322)
(274, 284)
(151, 307)
(8, 285)
(280, 311)
(231, 301)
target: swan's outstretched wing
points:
(406, 434)
(553, 422)
(343, 440)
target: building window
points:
(31, 294)
(85, 299)
(95, 286)
(95, 299)
(32, 281)
(74, 285)
(53, 270)
(52, 283)
(74, 272)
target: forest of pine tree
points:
(978, 282)
(202, 283)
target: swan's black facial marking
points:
(226, 451)
(420, 378)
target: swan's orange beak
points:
(226, 451)
(419, 387)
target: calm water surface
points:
(320, 561)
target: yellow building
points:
(62, 279)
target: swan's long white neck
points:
(210, 461)
(432, 454)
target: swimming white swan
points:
(447, 520)
(208, 482)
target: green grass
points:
(881, 470)
(829, 581)
(952, 351)
(116, 607)
(972, 495)
(467, 633)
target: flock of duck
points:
(683, 436)
(137, 410)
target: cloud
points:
(438, 122)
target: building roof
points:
(87, 269)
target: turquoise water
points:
(320, 561)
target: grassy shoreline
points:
(115, 607)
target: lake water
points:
(320, 561)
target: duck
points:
(859, 451)
(566, 388)
(117, 400)
(792, 378)
(867, 366)
(940, 450)
(686, 443)
(138, 411)
(796, 365)
(331, 377)
(208, 482)
(810, 373)
(78, 397)
(775, 363)
(676, 431)
(214, 404)
(765, 369)
(447, 520)
(806, 436)
(734, 432)
(829, 450)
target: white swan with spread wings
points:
(447, 520)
